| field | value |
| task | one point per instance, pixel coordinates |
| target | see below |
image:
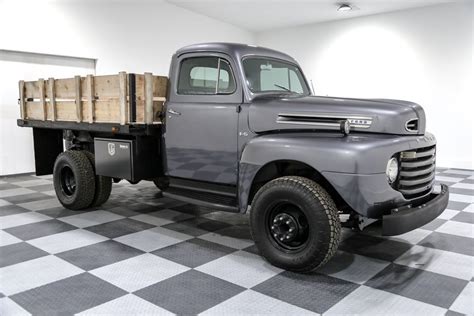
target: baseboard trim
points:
(17, 175)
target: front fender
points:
(361, 154)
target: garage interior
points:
(143, 254)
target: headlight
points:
(392, 170)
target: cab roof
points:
(235, 50)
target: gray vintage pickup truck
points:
(242, 132)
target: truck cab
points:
(241, 131)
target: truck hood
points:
(386, 116)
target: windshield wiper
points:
(281, 87)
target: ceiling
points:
(261, 15)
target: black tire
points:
(74, 180)
(161, 183)
(295, 224)
(103, 184)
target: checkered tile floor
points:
(141, 255)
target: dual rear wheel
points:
(76, 185)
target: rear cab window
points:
(205, 76)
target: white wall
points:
(424, 55)
(134, 37)
(122, 37)
(16, 155)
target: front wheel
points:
(295, 224)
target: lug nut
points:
(291, 229)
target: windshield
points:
(271, 75)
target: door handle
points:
(171, 111)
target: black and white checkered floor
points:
(141, 255)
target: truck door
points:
(202, 118)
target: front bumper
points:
(409, 218)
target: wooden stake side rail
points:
(95, 99)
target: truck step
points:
(207, 199)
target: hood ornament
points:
(345, 127)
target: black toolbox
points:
(131, 159)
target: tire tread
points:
(315, 191)
(103, 184)
(84, 179)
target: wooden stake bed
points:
(120, 99)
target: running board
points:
(207, 199)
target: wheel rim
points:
(288, 227)
(68, 181)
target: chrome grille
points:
(417, 172)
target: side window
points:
(205, 76)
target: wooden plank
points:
(90, 98)
(66, 111)
(139, 86)
(31, 90)
(148, 93)
(123, 97)
(106, 86)
(140, 105)
(160, 86)
(77, 80)
(106, 111)
(42, 98)
(21, 86)
(66, 88)
(52, 99)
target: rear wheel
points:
(295, 224)
(103, 184)
(161, 183)
(73, 178)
